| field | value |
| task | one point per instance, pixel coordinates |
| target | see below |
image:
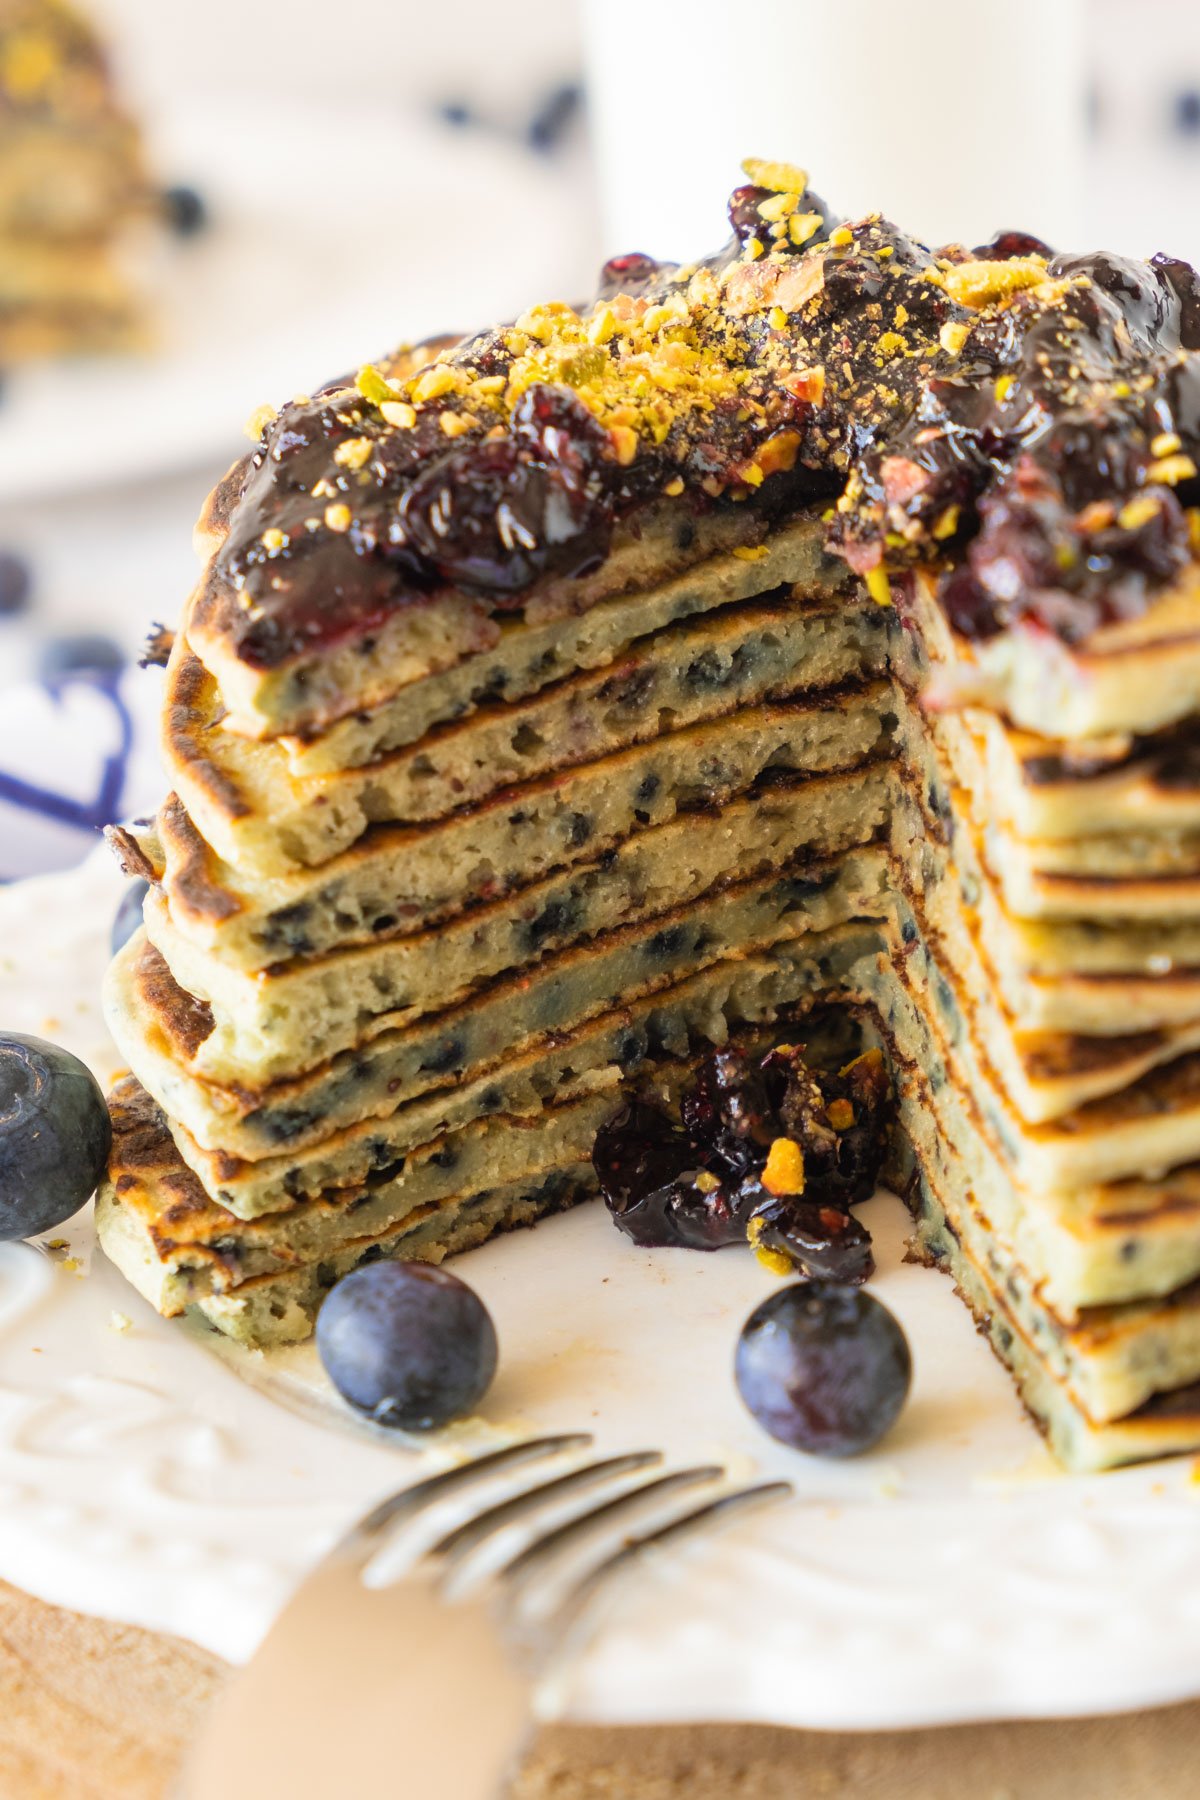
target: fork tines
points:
(565, 1534)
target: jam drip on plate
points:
(1026, 424)
(763, 1150)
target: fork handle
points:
(367, 1693)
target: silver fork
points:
(421, 1685)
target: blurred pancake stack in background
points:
(72, 189)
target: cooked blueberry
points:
(763, 1149)
(86, 653)
(409, 1344)
(128, 915)
(16, 584)
(186, 211)
(55, 1135)
(825, 1369)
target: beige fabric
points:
(93, 1711)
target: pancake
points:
(1167, 1425)
(315, 687)
(74, 193)
(157, 1026)
(184, 1247)
(600, 1053)
(297, 1014)
(528, 657)
(1140, 675)
(411, 877)
(1092, 1245)
(1041, 787)
(254, 812)
(560, 700)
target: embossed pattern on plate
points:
(952, 1574)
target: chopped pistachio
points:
(259, 419)
(803, 227)
(780, 177)
(1138, 512)
(778, 207)
(373, 386)
(1171, 470)
(625, 444)
(352, 453)
(437, 380)
(783, 1172)
(878, 586)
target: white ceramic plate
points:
(333, 236)
(951, 1575)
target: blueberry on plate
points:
(408, 1344)
(825, 1369)
(55, 1134)
(128, 915)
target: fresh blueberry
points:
(407, 1343)
(55, 1135)
(825, 1369)
(16, 584)
(186, 211)
(84, 654)
(128, 915)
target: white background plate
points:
(951, 1575)
(322, 250)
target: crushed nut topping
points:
(960, 409)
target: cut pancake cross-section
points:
(560, 702)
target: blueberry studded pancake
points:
(815, 624)
(159, 1027)
(599, 1053)
(274, 1022)
(409, 877)
(255, 813)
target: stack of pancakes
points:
(466, 832)
(386, 1006)
(71, 184)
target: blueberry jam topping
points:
(1027, 425)
(762, 1150)
(553, 516)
